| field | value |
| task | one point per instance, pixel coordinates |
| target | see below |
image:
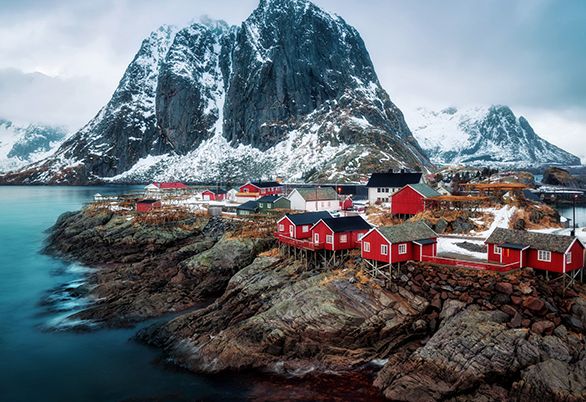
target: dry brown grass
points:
(274, 252)
(253, 226)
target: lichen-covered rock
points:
(273, 316)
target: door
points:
(291, 231)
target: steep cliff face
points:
(491, 136)
(290, 92)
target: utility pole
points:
(574, 215)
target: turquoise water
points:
(41, 365)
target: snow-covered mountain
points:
(23, 144)
(486, 136)
(290, 92)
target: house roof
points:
(424, 190)
(248, 206)
(265, 184)
(347, 224)
(410, 231)
(530, 195)
(147, 201)
(169, 186)
(318, 193)
(393, 179)
(308, 218)
(537, 241)
(216, 191)
(269, 198)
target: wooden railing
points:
(299, 243)
(484, 266)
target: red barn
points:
(298, 226)
(258, 189)
(399, 243)
(410, 200)
(339, 233)
(216, 195)
(543, 251)
(147, 205)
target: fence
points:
(484, 266)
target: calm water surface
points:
(41, 365)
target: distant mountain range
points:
(290, 92)
(484, 136)
(22, 144)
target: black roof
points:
(423, 242)
(514, 246)
(530, 195)
(269, 198)
(265, 184)
(393, 179)
(248, 206)
(308, 218)
(347, 224)
(150, 201)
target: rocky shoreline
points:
(438, 333)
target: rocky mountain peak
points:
(292, 92)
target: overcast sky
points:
(60, 60)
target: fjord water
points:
(39, 364)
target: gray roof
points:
(424, 190)
(537, 241)
(248, 206)
(318, 194)
(409, 231)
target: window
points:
(569, 258)
(343, 238)
(366, 246)
(378, 190)
(402, 249)
(281, 228)
(544, 255)
(498, 250)
(305, 229)
(384, 249)
(329, 239)
(360, 236)
(269, 206)
(316, 238)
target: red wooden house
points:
(543, 251)
(298, 226)
(215, 195)
(343, 233)
(258, 189)
(147, 205)
(393, 244)
(410, 200)
(347, 204)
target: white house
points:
(382, 185)
(314, 199)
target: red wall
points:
(213, 196)
(347, 204)
(297, 230)
(410, 255)
(577, 251)
(351, 238)
(429, 250)
(375, 239)
(144, 207)
(249, 188)
(407, 202)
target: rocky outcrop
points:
(276, 317)
(146, 270)
(556, 176)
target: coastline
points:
(272, 315)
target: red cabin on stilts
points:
(400, 243)
(298, 226)
(343, 233)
